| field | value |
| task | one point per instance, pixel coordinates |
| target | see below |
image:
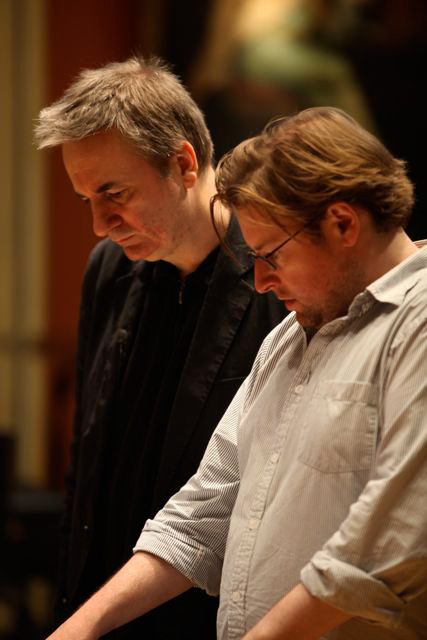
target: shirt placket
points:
(239, 582)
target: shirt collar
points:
(392, 287)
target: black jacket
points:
(231, 324)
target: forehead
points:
(100, 143)
(259, 229)
(105, 156)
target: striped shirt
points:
(317, 473)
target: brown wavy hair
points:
(300, 164)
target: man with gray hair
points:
(308, 512)
(169, 325)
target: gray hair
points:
(142, 99)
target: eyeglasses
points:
(268, 258)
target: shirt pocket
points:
(340, 427)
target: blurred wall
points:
(23, 238)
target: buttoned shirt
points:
(317, 473)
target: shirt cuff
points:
(350, 589)
(195, 562)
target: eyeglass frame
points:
(249, 252)
(266, 257)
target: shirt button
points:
(299, 389)
(274, 457)
(85, 527)
(253, 523)
(236, 596)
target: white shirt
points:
(318, 473)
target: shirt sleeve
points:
(376, 562)
(190, 531)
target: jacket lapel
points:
(226, 301)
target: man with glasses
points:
(308, 512)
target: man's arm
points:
(143, 583)
(297, 615)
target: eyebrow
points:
(104, 187)
(260, 249)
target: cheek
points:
(139, 217)
(300, 273)
(312, 279)
(155, 213)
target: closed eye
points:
(115, 195)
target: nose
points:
(265, 278)
(104, 218)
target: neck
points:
(389, 251)
(201, 235)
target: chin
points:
(137, 252)
(134, 253)
(310, 320)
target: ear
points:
(186, 163)
(342, 223)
